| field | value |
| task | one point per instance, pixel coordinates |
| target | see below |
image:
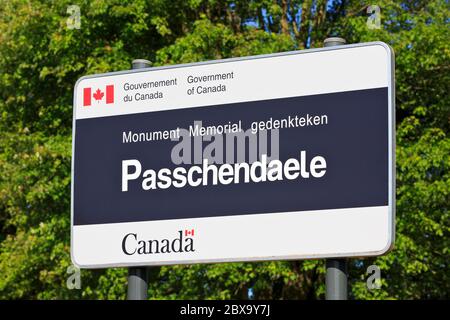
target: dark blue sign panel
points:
(353, 140)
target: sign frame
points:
(391, 159)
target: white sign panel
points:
(284, 156)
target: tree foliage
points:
(41, 59)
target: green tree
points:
(41, 59)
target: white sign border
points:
(391, 159)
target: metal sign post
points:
(336, 278)
(138, 276)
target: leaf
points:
(98, 95)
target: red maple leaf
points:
(98, 95)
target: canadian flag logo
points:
(98, 95)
